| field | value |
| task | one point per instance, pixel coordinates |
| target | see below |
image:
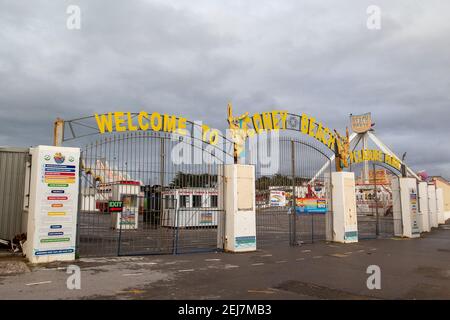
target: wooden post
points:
(58, 132)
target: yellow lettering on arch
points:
(143, 126)
(156, 121)
(312, 122)
(319, 132)
(267, 120)
(331, 142)
(131, 126)
(182, 125)
(104, 122)
(257, 123)
(304, 124)
(170, 123)
(275, 122)
(118, 117)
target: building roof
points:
(441, 179)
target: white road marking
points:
(132, 274)
(212, 259)
(260, 291)
(229, 266)
(361, 250)
(281, 261)
(339, 255)
(51, 269)
(257, 264)
(186, 270)
(306, 250)
(300, 259)
(266, 255)
(37, 283)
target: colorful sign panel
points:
(311, 205)
(245, 242)
(54, 208)
(414, 211)
(278, 198)
(127, 218)
(206, 218)
(361, 123)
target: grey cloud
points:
(192, 57)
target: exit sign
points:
(115, 206)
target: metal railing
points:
(293, 204)
(168, 207)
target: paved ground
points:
(410, 269)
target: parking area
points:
(410, 269)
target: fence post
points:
(239, 207)
(293, 218)
(377, 221)
(345, 223)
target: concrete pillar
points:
(52, 218)
(440, 206)
(407, 208)
(432, 205)
(345, 223)
(423, 204)
(238, 193)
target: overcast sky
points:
(192, 57)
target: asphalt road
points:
(410, 269)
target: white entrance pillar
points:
(423, 204)
(52, 217)
(407, 208)
(345, 223)
(440, 206)
(432, 205)
(237, 191)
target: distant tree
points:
(189, 180)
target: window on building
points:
(184, 200)
(214, 201)
(169, 202)
(197, 201)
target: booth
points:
(193, 207)
(126, 192)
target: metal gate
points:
(138, 196)
(375, 199)
(293, 204)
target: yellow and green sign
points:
(359, 156)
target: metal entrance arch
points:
(281, 220)
(166, 184)
(375, 199)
